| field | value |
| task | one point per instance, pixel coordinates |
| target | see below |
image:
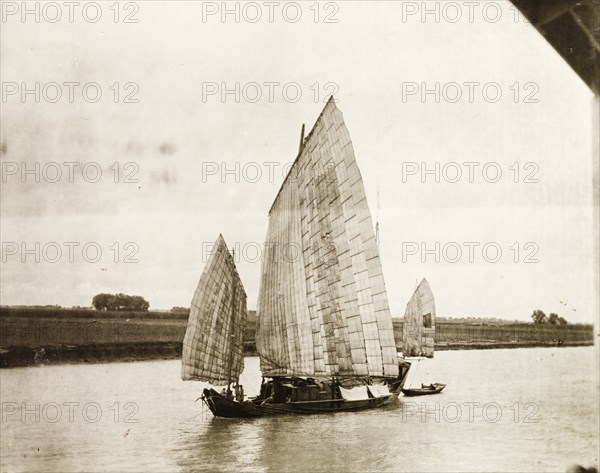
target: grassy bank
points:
(40, 336)
(518, 334)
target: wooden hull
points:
(221, 406)
(424, 391)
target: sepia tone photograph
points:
(300, 236)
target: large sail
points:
(419, 323)
(214, 339)
(323, 308)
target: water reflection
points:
(215, 444)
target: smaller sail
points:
(419, 323)
(214, 340)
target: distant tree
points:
(120, 302)
(101, 301)
(562, 321)
(112, 302)
(140, 304)
(538, 317)
(553, 319)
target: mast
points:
(231, 321)
(301, 139)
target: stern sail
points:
(419, 323)
(323, 308)
(213, 344)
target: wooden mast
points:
(232, 332)
(301, 139)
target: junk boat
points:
(324, 333)
(418, 334)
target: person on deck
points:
(239, 393)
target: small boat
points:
(434, 388)
(418, 334)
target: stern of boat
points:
(403, 369)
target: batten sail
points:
(419, 323)
(323, 308)
(213, 343)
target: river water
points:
(502, 410)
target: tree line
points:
(120, 302)
(539, 317)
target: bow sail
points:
(419, 323)
(323, 308)
(213, 344)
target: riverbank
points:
(14, 357)
(32, 337)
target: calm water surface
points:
(503, 410)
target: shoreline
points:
(37, 337)
(22, 357)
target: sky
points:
(181, 162)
